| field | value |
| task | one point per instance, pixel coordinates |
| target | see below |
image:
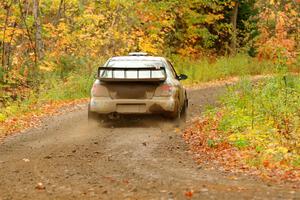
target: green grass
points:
(206, 70)
(75, 86)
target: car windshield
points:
(135, 63)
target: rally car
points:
(138, 84)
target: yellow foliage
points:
(47, 66)
(148, 45)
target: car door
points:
(178, 84)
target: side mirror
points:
(182, 77)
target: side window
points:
(172, 69)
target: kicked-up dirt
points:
(132, 158)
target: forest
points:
(50, 49)
(42, 37)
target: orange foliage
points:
(280, 42)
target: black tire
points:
(175, 114)
(186, 101)
(179, 117)
(184, 111)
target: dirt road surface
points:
(135, 158)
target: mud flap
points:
(93, 116)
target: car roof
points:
(137, 58)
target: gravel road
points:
(136, 158)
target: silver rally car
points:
(138, 84)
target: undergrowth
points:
(262, 119)
(54, 86)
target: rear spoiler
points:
(122, 74)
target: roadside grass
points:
(259, 120)
(265, 117)
(76, 86)
(206, 69)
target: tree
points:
(279, 30)
(234, 19)
(38, 29)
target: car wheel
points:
(175, 114)
(186, 101)
(184, 111)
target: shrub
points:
(265, 116)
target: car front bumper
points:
(158, 105)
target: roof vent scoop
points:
(138, 54)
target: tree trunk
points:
(4, 46)
(59, 11)
(28, 33)
(234, 29)
(38, 29)
(9, 53)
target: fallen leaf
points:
(189, 194)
